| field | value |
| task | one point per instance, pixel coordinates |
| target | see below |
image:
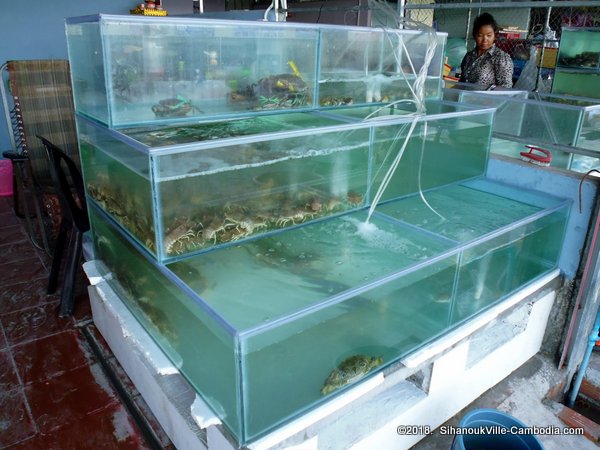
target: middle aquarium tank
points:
(280, 255)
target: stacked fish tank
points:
(539, 119)
(235, 181)
(578, 66)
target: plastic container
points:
(6, 178)
(493, 438)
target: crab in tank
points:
(281, 91)
(174, 107)
(350, 370)
(331, 100)
(275, 91)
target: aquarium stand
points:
(454, 369)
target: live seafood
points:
(174, 107)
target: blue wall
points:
(32, 29)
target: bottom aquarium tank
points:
(274, 326)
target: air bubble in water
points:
(366, 228)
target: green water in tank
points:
(284, 275)
(305, 299)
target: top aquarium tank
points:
(234, 174)
(129, 71)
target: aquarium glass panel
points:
(237, 191)
(582, 163)
(117, 178)
(87, 69)
(495, 268)
(569, 100)
(509, 114)
(508, 147)
(538, 120)
(348, 60)
(166, 69)
(363, 334)
(320, 260)
(450, 211)
(187, 334)
(579, 49)
(589, 136)
(436, 153)
(360, 66)
(577, 83)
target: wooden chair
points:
(68, 182)
(37, 99)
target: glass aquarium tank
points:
(182, 189)
(578, 66)
(242, 323)
(282, 249)
(538, 119)
(131, 71)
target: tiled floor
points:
(55, 390)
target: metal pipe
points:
(468, 27)
(198, 6)
(592, 339)
(401, 6)
(6, 108)
(541, 66)
(588, 271)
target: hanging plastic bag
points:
(528, 76)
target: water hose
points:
(592, 340)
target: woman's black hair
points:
(483, 20)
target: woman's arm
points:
(503, 71)
(463, 69)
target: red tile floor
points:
(60, 387)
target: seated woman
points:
(486, 64)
